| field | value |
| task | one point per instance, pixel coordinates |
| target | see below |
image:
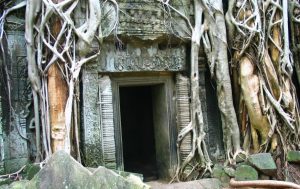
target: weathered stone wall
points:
(1, 137)
(147, 20)
(91, 140)
(149, 44)
(15, 147)
(16, 115)
(211, 114)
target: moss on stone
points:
(219, 173)
(264, 163)
(293, 156)
(31, 170)
(245, 172)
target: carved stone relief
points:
(91, 130)
(183, 116)
(107, 122)
(148, 19)
(141, 18)
(15, 147)
(142, 59)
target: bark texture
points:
(215, 43)
(268, 107)
(58, 92)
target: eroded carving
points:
(143, 59)
(92, 144)
(148, 20)
(107, 122)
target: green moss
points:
(219, 173)
(245, 172)
(293, 156)
(18, 184)
(30, 170)
(264, 163)
(5, 181)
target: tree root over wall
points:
(209, 28)
(262, 64)
(71, 46)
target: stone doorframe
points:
(167, 148)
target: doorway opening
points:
(138, 135)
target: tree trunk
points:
(58, 93)
(218, 60)
(32, 8)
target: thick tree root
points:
(71, 46)
(263, 184)
(260, 44)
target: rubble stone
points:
(293, 156)
(245, 172)
(264, 163)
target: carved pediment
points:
(150, 19)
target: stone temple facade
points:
(133, 98)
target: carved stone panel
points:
(183, 117)
(91, 130)
(98, 141)
(150, 19)
(107, 122)
(141, 19)
(144, 58)
(15, 136)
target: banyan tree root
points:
(32, 10)
(250, 93)
(69, 48)
(215, 45)
(263, 184)
(261, 57)
(294, 16)
(195, 128)
(210, 28)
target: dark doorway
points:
(137, 124)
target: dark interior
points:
(138, 131)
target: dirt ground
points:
(198, 184)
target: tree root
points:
(14, 175)
(196, 126)
(71, 45)
(263, 184)
(272, 108)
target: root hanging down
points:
(197, 160)
(69, 49)
(209, 22)
(262, 60)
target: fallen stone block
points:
(62, 171)
(264, 163)
(293, 156)
(219, 173)
(245, 172)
